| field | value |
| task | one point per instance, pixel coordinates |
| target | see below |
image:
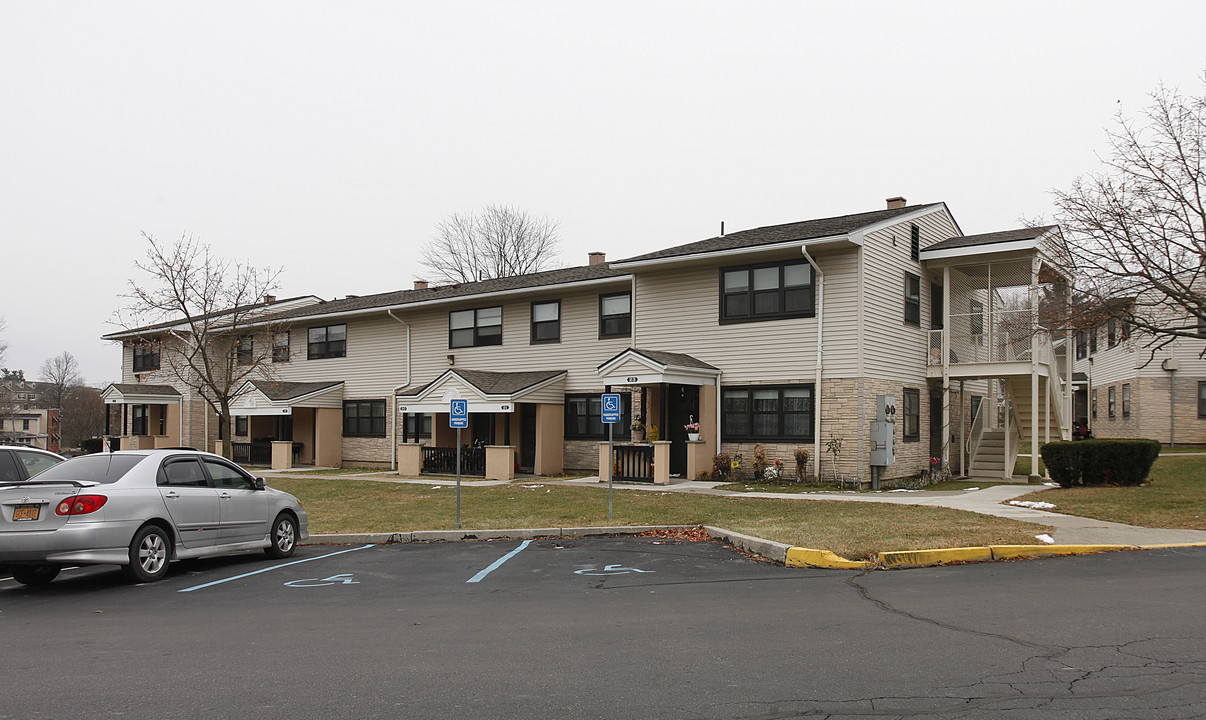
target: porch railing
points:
(251, 453)
(442, 460)
(633, 463)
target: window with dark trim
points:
(914, 242)
(1202, 399)
(912, 299)
(1093, 404)
(146, 356)
(364, 418)
(280, 346)
(244, 349)
(767, 412)
(1082, 341)
(240, 425)
(139, 416)
(475, 328)
(1111, 334)
(415, 426)
(546, 322)
(1110, 404)
(1092, 340)
(615, 315)
(330, 341)
(910, 410)
(769, 291)
(1126, 400)
(584, 417)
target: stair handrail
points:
(976, 434)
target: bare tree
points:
(62, 374)
(82, 417)
(3, 342)
(212, 333)
(499, 241)
(1138, 226)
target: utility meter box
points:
(883, 449)
(885, 408)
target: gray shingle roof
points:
(670, 358)
(140, 389)
(444, 292)
(278, 391)
(491, 383)
(990, 238)
(772, 234)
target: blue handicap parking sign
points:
(611, 407)
(458, 415)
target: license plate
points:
(26, 512)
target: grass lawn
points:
(1175, 497)
(853, 530)
(794, 487)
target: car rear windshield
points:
(101, 468)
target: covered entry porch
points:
(289, 423)
(143, 417)
(675, 391)
(516, 423)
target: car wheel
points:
(284, 537)
(35, 574)
(150, 552)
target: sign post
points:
(458, 417)
(611, 416)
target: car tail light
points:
(81, 505)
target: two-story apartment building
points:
(784, 336)
(1131, 387)
(26, 417)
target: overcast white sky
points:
(330, 138)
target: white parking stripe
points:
(497, 563)
(274, 567)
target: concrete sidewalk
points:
(1069, 529)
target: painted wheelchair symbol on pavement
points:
(610, 570)
(343, 579)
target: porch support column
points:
(410, 459)
(1034, 378)
(328, 437)
(550, 439)
(946, 367)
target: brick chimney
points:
(420, 284)
(269, 299)
(597, 258)
(896, 203)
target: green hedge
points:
(1102, 461)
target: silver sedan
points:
(141, 510)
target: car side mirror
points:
(259, 484)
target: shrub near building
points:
(1100, 462)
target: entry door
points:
(527, 436)
(683, 407)
(936, 425)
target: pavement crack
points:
(1048, 651)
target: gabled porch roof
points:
(653, 367)
(139, 394)
(265, 397)
(486, 391)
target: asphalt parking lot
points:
(609, 628)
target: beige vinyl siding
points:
(679, 312)
(374, 364)
(893, 348)
(579, 352)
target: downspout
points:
(393, 462)
(816, 391)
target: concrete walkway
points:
(1069, 529)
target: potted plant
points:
(638, 429)
(692, 428)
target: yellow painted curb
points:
(1169, 546)
(806, 557)
(1001, 552)
(904, 558)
